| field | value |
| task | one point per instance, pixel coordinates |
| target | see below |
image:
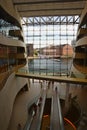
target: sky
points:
(45, 35)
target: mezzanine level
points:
(64, 79)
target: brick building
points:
(58, 50)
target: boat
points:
(58, 60)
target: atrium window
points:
(52, 38)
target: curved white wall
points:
(10, 42)
(7, 98)
(82, 41)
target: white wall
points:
(7, 98)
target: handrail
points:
(41, 113)
(53, 78)
(30, 119)
(60, 114)
(51, 114)
(37, 120)
(56, 114)
(29, 124)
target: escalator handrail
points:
(61, 127)
(42, 109)
(60, 114)
(51, 114)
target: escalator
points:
(49, 115)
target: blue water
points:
(50, 66)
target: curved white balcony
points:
(10, 42)
(11, 13)
(82, 41)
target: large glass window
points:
(52, 39)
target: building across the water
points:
(57, 51)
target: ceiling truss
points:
(51, 20)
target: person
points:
(32, 109)
(35, 109)
(19, 127)
(40, 101)
(56, 89)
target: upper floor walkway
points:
(61, 79)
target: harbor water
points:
(46, 66)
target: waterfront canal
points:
(46, 66)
